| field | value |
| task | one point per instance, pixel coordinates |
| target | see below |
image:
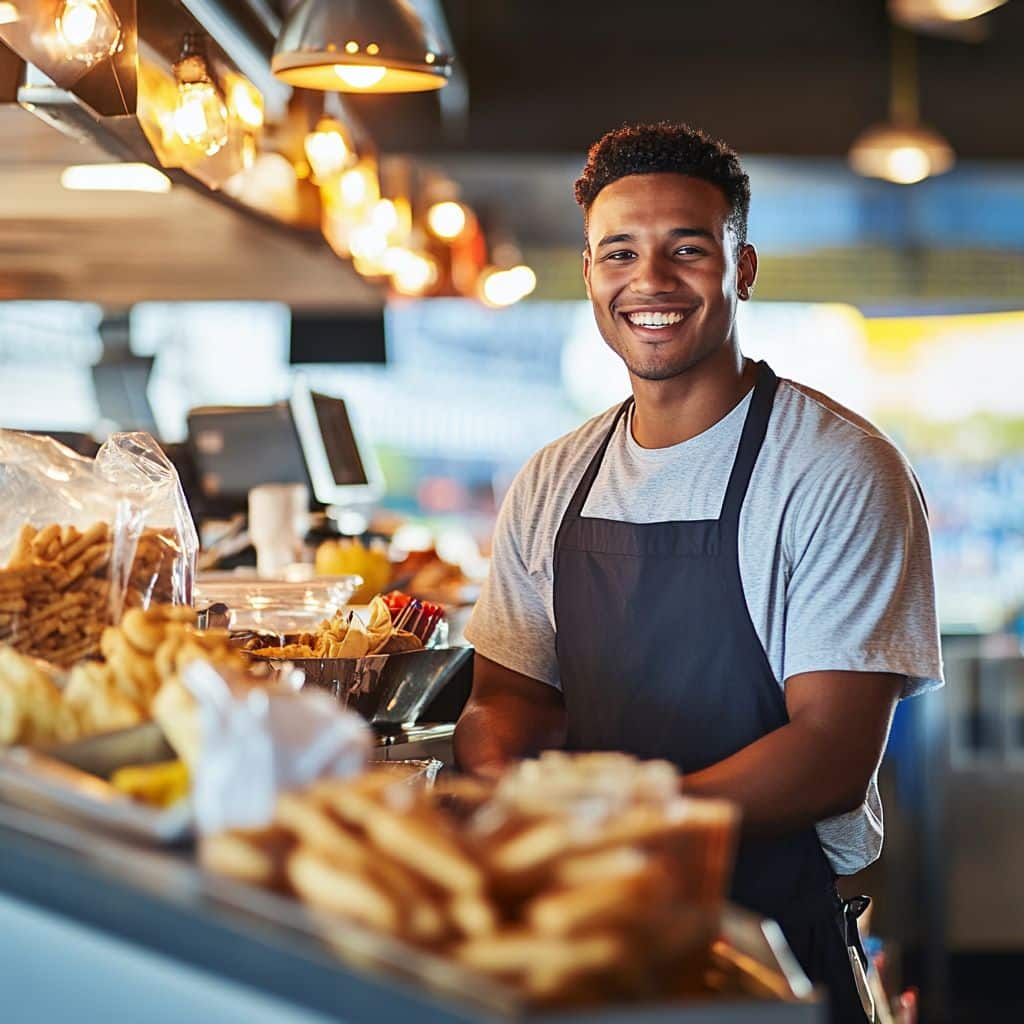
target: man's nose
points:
(653, 275)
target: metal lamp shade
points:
(324, 40)
(904, 154)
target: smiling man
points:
(729, 571)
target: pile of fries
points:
(604, 894)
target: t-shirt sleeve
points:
(510, 623)
(861, 593)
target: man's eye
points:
(689, 250)
(619, 255)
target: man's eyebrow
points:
(674, 233)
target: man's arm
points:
(508, 716)
(817, 766)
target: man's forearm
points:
(788, 779)
(494, 732)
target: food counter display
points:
(207, 814)
(111, 929)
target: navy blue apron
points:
(658, 657)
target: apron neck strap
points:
(579, 498)
(754, 429)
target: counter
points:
(97, 928)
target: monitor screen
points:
(344, 471)
(326, 337)
(343, 456)
(236, 449)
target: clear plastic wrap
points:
(82, 539)
(254, 743)
(276, 607)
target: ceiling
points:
(120, 248)
(799, 78)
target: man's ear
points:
(586, 268)
(746, 271)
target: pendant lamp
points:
(901, 150)
(360, 46)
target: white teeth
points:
(654, 319)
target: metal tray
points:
(41, 781)
(386, 689)
(71, 780)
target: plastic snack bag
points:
(82, 539)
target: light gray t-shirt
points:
(835, 557)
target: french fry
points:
(257, 856)
(330, 885)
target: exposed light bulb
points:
(368, 242)
(247, 103)
(201, 116)
(353, 188)
(506, 287)
(384, 216)
(524, 279)
(91, 30)
(447, 220)
(201, 119)
(360, 76)
(359, 189)
(328, 150)
(413, 272)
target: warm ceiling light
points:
(447, 220)
(90, 29)
(328, 149)
(114, 178)
(357, 189)
(361, 77)
(912, 11)
(321, 47)
(414, 272)
(247, 103)
(903, 155)
(201, 118)
(902, 150)
(506, 287)
(384, 216)
(8, 13)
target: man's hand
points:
(817, 766)
(508, 716)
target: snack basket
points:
(386, 689)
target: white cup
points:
(278, 519)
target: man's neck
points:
(671, 411)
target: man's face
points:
(662, 271)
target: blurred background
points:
(174, 239)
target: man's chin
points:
(658, 371)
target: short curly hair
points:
(667, 146)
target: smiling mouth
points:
(652, 322)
